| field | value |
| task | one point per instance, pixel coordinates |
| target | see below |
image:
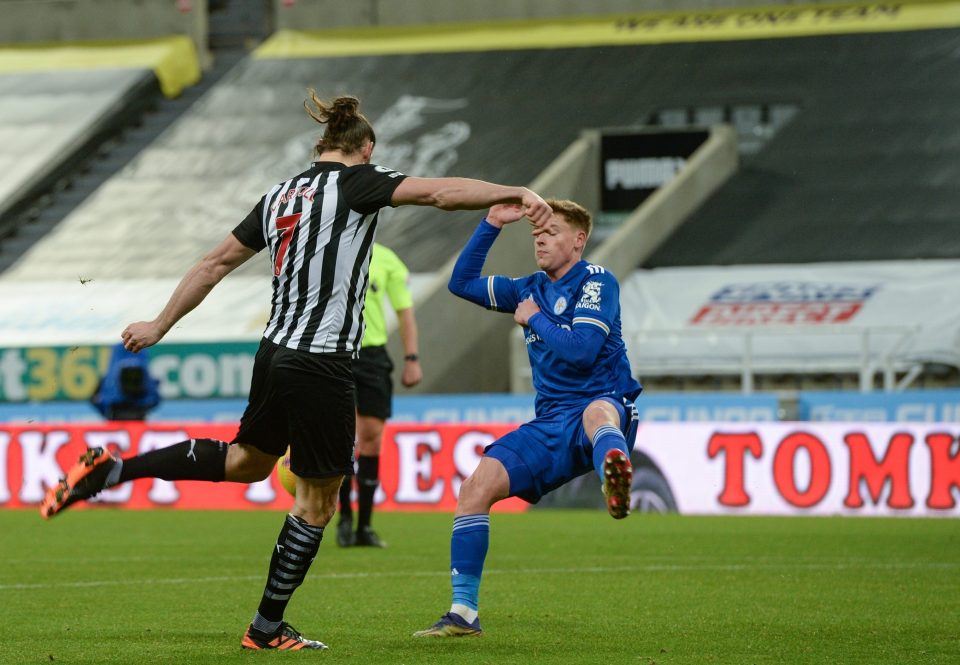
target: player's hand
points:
(140, 335)
(412, 373)
(526, 309)
(535, 208)
(505, 213)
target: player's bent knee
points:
(599, 413)
(482, 489)
(470, 488)
(473, 498)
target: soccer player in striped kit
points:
(319, 228)
(585, 416)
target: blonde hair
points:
(576, 215)
(347, 128)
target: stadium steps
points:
(116, 142)
(123, 97)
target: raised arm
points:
(190, 292)
(468, 194)
(498, 293)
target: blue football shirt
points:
(588, 295)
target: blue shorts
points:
(553, 449)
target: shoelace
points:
(290, 631)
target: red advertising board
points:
(798, 468)
(421, 466)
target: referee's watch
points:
(411, 357)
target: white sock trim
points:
(264, 625)
(469, 615)
(605, 429)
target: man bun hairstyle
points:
(347, 129)
(576, 215)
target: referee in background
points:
(372, 370)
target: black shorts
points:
(304, 400)
(371, 374)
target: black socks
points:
(346, 510)
(196, 459)
(368, 479)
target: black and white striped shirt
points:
(319, 227)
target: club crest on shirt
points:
(590, 296)
(560, 305)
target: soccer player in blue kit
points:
(585, 417)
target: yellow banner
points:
(173, 59)
(647, 28)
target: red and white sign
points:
(907, 469)
(421, 466)
(774, 313)
(801, 468)
(783, 302)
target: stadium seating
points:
(65, 106)
(47, 119)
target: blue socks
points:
(605, 439)
(468, 549)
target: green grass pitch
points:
(107, 586)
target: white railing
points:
(863, 350)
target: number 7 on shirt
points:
(285, 226)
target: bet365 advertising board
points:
(185, 371)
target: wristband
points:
(411, 357)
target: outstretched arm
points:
(191, 291)
(468, 194)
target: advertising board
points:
(761, 468)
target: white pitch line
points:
(651, 568)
